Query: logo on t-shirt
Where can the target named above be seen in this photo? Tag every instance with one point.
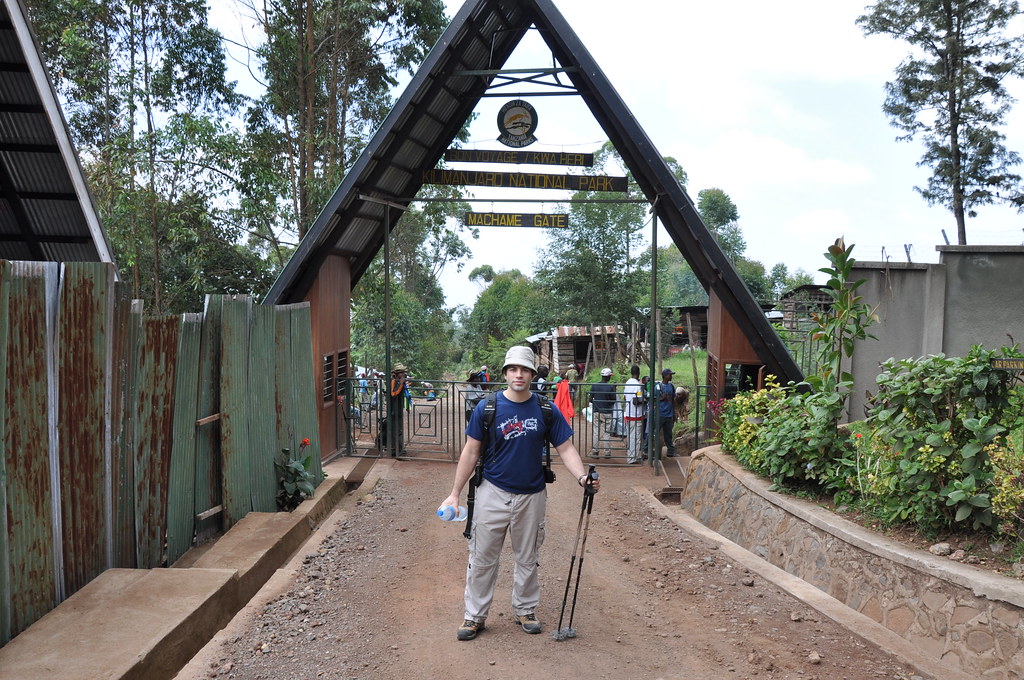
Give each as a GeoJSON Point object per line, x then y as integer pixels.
{"type": "Point", "coordinates": [513, 427]}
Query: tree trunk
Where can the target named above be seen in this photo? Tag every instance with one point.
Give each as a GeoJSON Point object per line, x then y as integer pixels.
{"type": "Point", "coordinates": [154, 225]}
{"type": "Point", "coordinates": [953, 66]}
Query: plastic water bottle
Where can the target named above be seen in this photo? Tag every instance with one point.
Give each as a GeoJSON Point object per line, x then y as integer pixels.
{"type": "Point", "coordinates": [450, 514]}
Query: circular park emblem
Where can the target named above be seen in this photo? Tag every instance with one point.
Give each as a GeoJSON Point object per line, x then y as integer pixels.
{"type": "Point", "coordinates": [517, 121]}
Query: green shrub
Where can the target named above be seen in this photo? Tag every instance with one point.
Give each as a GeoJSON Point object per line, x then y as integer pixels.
{"type": "Point", "coordinates": [938, 416]}
{"type": "Point", "coordinates": [294, 478]}
{"type": "Point", "coordinates": [785, 434]}
{"type": "Point", "coordinates": [938, 447]}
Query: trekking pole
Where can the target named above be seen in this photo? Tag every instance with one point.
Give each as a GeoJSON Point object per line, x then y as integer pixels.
{"type": "Point", "coordinates": [572, 563]}
{"type": "Point", "coordinates": [570, 631]}
{"type": "Point", "coordinates": [588, 504]}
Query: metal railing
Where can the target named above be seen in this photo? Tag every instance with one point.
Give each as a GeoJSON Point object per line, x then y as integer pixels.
{"type": "Point", "coordinates": [434, 418]}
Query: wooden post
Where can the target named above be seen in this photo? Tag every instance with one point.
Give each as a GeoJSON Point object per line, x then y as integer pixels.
{"type": "Point", "coordinates": [693, 355]}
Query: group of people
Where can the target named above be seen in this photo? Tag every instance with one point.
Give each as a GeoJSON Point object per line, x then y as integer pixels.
{"type": "Point", "coordinates": [635, 413]}
{"type": "Point", "coordinates": [606, 409]}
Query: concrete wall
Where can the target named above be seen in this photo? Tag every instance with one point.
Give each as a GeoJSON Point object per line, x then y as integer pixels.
{"type": "Point", "coordinates": [984, 297]}
{"type": "Point", "coordinates": [967, 618]}
{"type": "Point", "coordinates": [908, 299]}
{"type": "Point", "coordinates": [973, 296]}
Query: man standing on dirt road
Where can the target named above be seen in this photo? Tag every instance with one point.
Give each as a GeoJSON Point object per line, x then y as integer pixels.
{"type": "Point", "coordinates": [512, 496]}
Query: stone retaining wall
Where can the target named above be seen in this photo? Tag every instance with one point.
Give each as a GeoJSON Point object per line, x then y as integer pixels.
{"type": "Point", "coordinates": [969, 618]}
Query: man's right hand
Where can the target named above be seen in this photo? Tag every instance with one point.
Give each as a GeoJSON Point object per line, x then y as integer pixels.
{"type": "Point", "coordinates": [452, 501]}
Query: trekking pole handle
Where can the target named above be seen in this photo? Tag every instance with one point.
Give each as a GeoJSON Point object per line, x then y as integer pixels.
{"type": "Point", "coordinates": [588, 487]}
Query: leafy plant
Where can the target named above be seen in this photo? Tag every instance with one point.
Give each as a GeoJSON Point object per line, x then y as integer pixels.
{"type": "Point", "coordinates": [939, 447]}
{"type": "Point", "coordinates": [793, 435]}
{"type": "Point", "coordinates": [294, 478]}
{"type": "Point", "coordinates": [841, 325]}
{"type": "Point", "coordinates": [940, 419]}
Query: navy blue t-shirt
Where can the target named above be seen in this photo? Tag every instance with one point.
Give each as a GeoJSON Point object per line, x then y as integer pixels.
{"type": "Point", "coordinates": [515, 461]}
{"type": "Point", "coordinates": [666, 408]}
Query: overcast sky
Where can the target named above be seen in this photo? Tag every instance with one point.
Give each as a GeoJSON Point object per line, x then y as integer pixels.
{"type": "Point", "coordinates": [777, 104]}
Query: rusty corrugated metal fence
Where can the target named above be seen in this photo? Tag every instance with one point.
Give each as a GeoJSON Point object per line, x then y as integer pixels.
{"type": "Point", "coordinates": [125, 438]}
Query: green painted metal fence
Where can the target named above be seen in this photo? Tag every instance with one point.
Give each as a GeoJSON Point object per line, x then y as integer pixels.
{"type": "Point", "coordinates": [126, 438]}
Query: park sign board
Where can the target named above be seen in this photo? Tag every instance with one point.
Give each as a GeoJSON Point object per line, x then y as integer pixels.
{"type": "Point", "coordinates": [1008, 363]}
{"type": "Point", "coordinates": [479, 219]}
{"type": "Point", "coordinates": [525, 180]}
{"type": "Point", "coordinates": [583, 160]}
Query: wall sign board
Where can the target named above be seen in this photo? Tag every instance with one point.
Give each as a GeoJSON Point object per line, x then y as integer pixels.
{"type": "Point", "coordinates": [584, 160]}
{"type": "Point", "coordinates": [1008, 363]}
{"type": "Point", "coordinates": [478, 219]}
{"type": "Point", "coordinates": [525, 180]}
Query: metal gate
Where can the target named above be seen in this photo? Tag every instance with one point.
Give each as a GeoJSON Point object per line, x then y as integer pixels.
{"type": "Point", "coordinates": [434, 417]}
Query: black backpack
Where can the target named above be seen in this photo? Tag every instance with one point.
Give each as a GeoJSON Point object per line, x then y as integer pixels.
{"type": "Point", "coordinates": [490, 408]}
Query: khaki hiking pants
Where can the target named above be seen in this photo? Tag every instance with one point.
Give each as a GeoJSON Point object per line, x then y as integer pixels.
{"type": "Point", "coordinates": [496, 513]}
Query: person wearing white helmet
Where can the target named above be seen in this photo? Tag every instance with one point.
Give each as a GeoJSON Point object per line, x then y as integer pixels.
{"type": "Point", "coordinates": [512, 495]}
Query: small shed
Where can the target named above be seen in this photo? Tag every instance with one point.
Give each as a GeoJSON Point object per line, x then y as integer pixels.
{"type": "Point", "coordinates": [799, 303]}
{"type": "Point", "coordinates": [587, 345]}
{"type": "Point", "coordinates": [698, 324]}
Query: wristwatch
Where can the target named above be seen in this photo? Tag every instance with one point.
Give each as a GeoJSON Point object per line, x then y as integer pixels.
{"type": "Point", "coordinates": [579, 480]}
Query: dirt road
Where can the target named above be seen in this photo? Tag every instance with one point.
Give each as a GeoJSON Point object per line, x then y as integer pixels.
{"type": "Point", "coordinates": [378, 595]}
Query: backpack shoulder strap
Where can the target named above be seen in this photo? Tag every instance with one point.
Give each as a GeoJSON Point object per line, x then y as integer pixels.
{"type": "Point", "coordinates": [547, 410]}
{"type": "Point", "coordinates": [490, 407]}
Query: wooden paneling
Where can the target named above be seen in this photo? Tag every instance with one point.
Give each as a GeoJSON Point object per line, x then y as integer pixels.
{"type": "Point", "coordinates": [330, 301]}
{"type": "Point", "coordinates": [725, 338]}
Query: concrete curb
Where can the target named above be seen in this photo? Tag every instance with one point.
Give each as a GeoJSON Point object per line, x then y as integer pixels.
{"type": "Point", "coordinates": [857, 623]}
{"type": "Point", "coordinates": [147, 623]}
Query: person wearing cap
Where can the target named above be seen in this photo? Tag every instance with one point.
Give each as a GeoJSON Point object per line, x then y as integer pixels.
{"type": "Point", "coordinates": [572, 375]}
{"type": "Point", "coordinates": [512, 496]}
{"type": "Point", "coordinates": [399, 401]}
{"type": "Point", "coordinates": [665, 394]}
{"type": "Point", "coordinates": [602, 401]}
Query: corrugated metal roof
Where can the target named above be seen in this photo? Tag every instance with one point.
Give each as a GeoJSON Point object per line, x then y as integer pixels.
{"type": "Point", "coordinates": [432, 110]}
{"type": "Point", "coordinates": [580, 331]}
{"type": "Point", "coordinates": [46, 211]}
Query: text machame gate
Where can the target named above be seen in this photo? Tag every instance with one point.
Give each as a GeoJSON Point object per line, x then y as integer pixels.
{"type": "Point", "coordinates": [413, 147]}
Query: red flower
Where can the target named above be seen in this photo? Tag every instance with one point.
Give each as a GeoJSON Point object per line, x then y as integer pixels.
{"type": "Point", "coordinates": [858, 435]}
{"type": "Point", "coordinates": [304, 443]}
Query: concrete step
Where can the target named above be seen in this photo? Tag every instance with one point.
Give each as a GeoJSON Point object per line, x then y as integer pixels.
{"type": "Point", "coordinates": [147, 623]}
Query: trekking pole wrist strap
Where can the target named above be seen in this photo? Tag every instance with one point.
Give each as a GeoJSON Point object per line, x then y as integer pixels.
{"type": "Point", "coordinates": [580, 479]}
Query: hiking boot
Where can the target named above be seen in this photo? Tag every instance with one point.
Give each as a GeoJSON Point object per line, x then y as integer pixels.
{"type": "Point", "coordinates": [529, 622]}
{"type": "Point", "coordinates": [469, 629]}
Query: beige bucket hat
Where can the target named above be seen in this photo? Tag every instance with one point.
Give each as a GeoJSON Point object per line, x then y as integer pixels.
{"type": "Point", "coordinates": [519, 355]}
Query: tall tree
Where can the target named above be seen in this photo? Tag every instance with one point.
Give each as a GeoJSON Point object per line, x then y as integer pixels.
{"type": "Point", "coordinates": [595, 271]}
{"type": "Point", "coordinates": [329, 68]}
{"type": "Point", "coordinates": [423, 334]}
{"type": "Point", "coordinates": [721, 216]}
{"type": "Point", "coordinates": [145, 87]}
{"type": "Point", "coordinates": [781, 281]}
{"type": "Point", "coordinates": [952, 92]}
{"type": "Point", "coordinates": [509, 309]}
